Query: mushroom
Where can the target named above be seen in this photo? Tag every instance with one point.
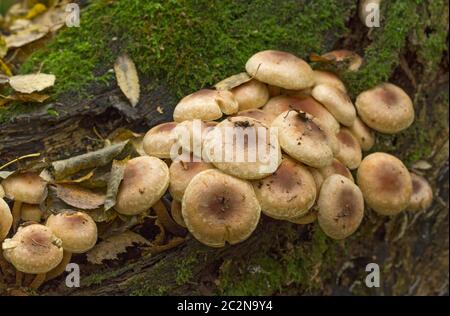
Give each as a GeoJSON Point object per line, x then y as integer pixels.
{"type": "Point", "coordinates": [2, 192]}
{"type": "Point", "coordinates": [350, 151]}
{"type": "Point", "coordinates": [191, 135]}
{"type": "Point", "coordinates": [336, 167]}
{"type": "Point", "coordinates": [31, 213]}
{"type": "Point", "coordinates": [145, 180]}
{"type": "Point", "coordinates": [160, 139]}
{"type": "Point", "coordinates": [328, 78]}
{"type": "Point", "coordinates": [206, 105]}
{"type": "Point", "coordinates": [342, 55]}
{"type": "Point", "coordinates": [303, 137]}
{"type": "Point", "coordinates": [340, 207]}
{"type": "Point", "coordinates": [273, 90]}
{"type": "Point", "coordinates": [280, 69]}
{"type": "Point", "coordinates": [385, 183]}
{"type": "Point", "coordinates": [218, 208]}
{"type": "Point", "coordinates": [78, 233]}
{"type": "Point", "coordinates": [365, 136]}
{"type": "Point", "coordinates": [422, 194]}
{"type": "Point", "coordinates": [337, 102]}
{"type": "Point", "coordinates": [175, 211]}
{"type": "Point", "coordinates": [309, 218]}
{"type": "Point", "coordinates": [385, 108]}
{"type": "Point", "coordinates": [282, 103]}
{"type": "Point", "coordinates": [301, 94]}
{"type": "Point", "coordinates": [288, 193]}
{"type": "Point", "coordinates": [243, 147]}
{"type": "Point", "coordinates": [181, 173]}
{"type": "Point", "coordinates": [251, 95]}
{"type": "Point", "coordinates": [26, 187]}
{"type": "Point", "coordinates": [33, 249]}
{"type": "Point", "coordinates": [258, 114]}
{"type": "Point", "coordinates": [5, 219]}
{"type": "Point", "coordinates": [318, 178]}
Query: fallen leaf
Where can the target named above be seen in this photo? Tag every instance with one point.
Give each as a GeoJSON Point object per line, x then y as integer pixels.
{"type": "Point", "coordinates": [111, 247]}
{"type": "Point", "coordinates": [79, 197]}
{"type": "Point", "coordinates": [115, 178]}
{"type": "Point", "coordinates": [32, 97]}
{"type": "Point", "coordinates": [36, 10]}
{"type": "Point", "coordinates": [100, 215]}
{"type": "Point", "coordinates": [4, 68]}
{"type": "Point", "coordinates": [174, 242]}
{"type": "Point", "coordinates": [83, 178]}
{"type": "Point", "coordinates": [166, 220]}
{"type": "Point", "coordinates": [127, 78]}
{"type": "Point", "coordinates": [31, 83]}
{"type": "Point", "coordinates": [3, 47]}
{"type": "Point", "coordinates": [233, 81]}
{"type": "Point", "coordinates": [26, 36]}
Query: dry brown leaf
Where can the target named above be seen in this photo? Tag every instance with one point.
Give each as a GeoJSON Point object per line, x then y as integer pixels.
{"type": "Point", "coordinates": [127, 78]}
{"type": "Point", "coordinates": [31, 83]}
{"type": "Point", "coordinates": [3, 47]}
{"type": "Point", "coordinates": [79, 197]}
{"type": "Point", "coordinates": [233, 81]}
{"type": "Point", "coordinates": [174, 242]}
{"type": "Point", "coordinates": [111, 247]}
{"type": "Point", "coordinates": [166, 220]}
{"type": "Point", "coordinates": [30, 34]}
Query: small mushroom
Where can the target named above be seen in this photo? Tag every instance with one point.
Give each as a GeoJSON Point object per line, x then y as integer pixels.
{"type": "Point", "coordinates": [422, 194]}
{"type": "Point", "coordinates": [350, 151]}
{"type": "Point", "coordinates": [385, 183]}
{"type": "Point", "coordinates": [328, 78]}
{"type": "Point", "coordinates": [258, 114]}
{"type": "Point", "coordinates": [191, 135]}
{"type": "Point", "coordinates": [288, 193]}
{"type": "Point", "coordinates": [160, 139]}
{"type": "Point", "coordinates": [175, 211]}
{"type": "Point", "coordinates": [337, 102]}
{"type": "Point", "coordinates": [309, 218]}
{"type": "Point", "coordinates": [251, 95]}
{"type": "Point", "coordinates": [243, 147]}
{"type": "Point", "coordinates": [218, 208]}
{"type": "Point", "coordinates": [31, 213]}
{"type": "Point", "coordinates": [336, 167]}
{"type": "Point", "coordinates": [302, 137]}
{"type": "Point", "coordinates": [280, 69]}
{"type": "Point", "coordinates": [365, 136]}
{"type": "Point", "coordinates": [340, 207]}
{"type": "Point", "coordinates": [145, 180]}
{"type": "Point", "coordinates": [353, 60]}
{"type": "Point", "coordinates": [5, 219]}
{"type": "Point", "coordinates": [385, 108]}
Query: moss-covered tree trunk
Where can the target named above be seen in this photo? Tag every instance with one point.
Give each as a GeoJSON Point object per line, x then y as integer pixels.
{"type": "Point", "coordinates": [180, 47]}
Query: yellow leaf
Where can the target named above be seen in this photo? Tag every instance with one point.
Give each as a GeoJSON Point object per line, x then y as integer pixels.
{"type": "Point", "coordinates": [127, 78]}
{"type": "Point", "coordinates": [31, 83]}
{"type": "Point", "coordinates": [3, 47]}
{"type": "Point", "coordinates": [36, 10]}
{"type": "Point", "coordinates": [4, 68]}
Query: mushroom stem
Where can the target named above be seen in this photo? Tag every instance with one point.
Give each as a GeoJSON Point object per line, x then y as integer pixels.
{"type": "Point", "coordinates": [60, 268]}
{"type": "Point", "coordinates": [16, 212]}
{"type": "Point", "coordinates": [19, 278]}
{"type": "Point", "coordinates": [3, 264]}
{"type": "Point", "coordinates": [38, 281]}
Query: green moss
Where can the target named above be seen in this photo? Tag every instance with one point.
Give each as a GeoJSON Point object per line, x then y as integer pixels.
{"type": "Point", "coordinates": [184, 269]}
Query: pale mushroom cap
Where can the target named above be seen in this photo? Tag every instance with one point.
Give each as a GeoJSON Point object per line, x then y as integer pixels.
{"type": "Point", "coordinates": [251, 95]}
{"type": "Point", "coordinates": [219, 208]}
{"type": "Point", "coordinates": [31, 213]}
{"type": "Point", "coordinates": [25, 187]}
{"type": "Point", "coordinates": [33, 249]}
{"type": "Point", "coordinates": [243, 147]}
{"type": "Point", "coordinates": [302, 137]}
{"type": "Point", "coordinates": [385, 108]}
{"type": "Point", "coordinates": [365, 136]}
{"type": "Point", "coordinates": [350, 150]}
{"type": "Point", "coordinates": [145, 181]}
{"type": "Point", "coordinates": [282, 103]}
{"type": "Point", "coordinates": [175, 211]}
{"type": "Point", "coordinates": [308, 218]}
{"type": "Point", "coordinates": [5, 219]}
{"type": "Point", "coordinates": [258, 114]}
{"type": "Point", "coordinates": [2, 192]}
{"type": "Point", "coordinates": [354, 60]}
{"type": "Point", "coordinates": [200, 105]}
{"type": "Point", "coordinates": [280, 69]}
{"type": "Point", "coordinates": [191, 134]}
{"type": "Point", "coordinates": [181, 173]}
{"type": "Point", "coordinates": [227, 102]}
{"type": "Point", "coordinates": [385, 183]}
{"type": "Point", "coordinates": [422, 195]}
{"type": "Point", "coordinates": [328, 78]}
{"type": "Point", "coordinates": [288, 193]}
{"type": "Point", "coordinates": [336, 167]}
{"type": "Point", "coordinates": [77, 230]}
{"type": "Point", "coordinates": [337, 102]}
{"type": "Point", "coordinates": [341, 207]}
{"type": "Point", "coordinates": [318, 178]}
{"type": "Point", "coordinates": [160, 139]}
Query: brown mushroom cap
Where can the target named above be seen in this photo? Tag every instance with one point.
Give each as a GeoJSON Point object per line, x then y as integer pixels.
{"type": "Point", "coordinates": [385, 108]}
{"type": "Point", "coordinates": [191, 135]}
{"type": "Point", "coordinates": [337, 102]}
{"type": "Point", "coordinates": [350, 151]}
{"type": "Point", "coordinates": [303, 138]}
{"type": "Point", "coordinates": [25, 187]}
{"type": "Point", "coordinates": [341, 207]}
{"type": "Point", "coordinates": [258, 114]}
{"type": "Point", "coordinates": [251, 95]}
{"type": "Point", "coordinates": [160, 139]}
{"type": "Point", "coordinates": [273, 90]}
{"type": "Point", "coordinates": [301, 94]}
{"type": "Point", "coordinates": [365, 136]}
{"type": "Point", "coordinates": [145, 180]}
{"type": "Point", "coordinates": [2, 192]}
{"type": "Point", "coordinates": [33, 249]}
{"type": "Point", "coordinates": [288, 193]}
{"type": "Point", "coordinates": [177, 215]}
{"type": "Point", "coordinates": [219, 208]}
{"type": "Point", "coordinates": [328, 78]}
{"type": "Point", "coordinates": [283, 103]}
{"type": "Point", "coordinates": [336, 167]}
{"type": "Point", "coordinates": [318, 178]}
{"type": "Point", "coordinates": [280, 69]}
{"type": "Point", "coordinates": [309, 218]}
{"type": "Point", "coordinates": [5, 219]}
{"type": "Point", "coordinates": [31, 213]}
{"type": "Point", "coordinates": [342, 55]}
{"type": "Point", "coordinates": [77, 230]}
{"type": "Point", "coordinates": [243, 147]}
{"type": "Point", "coordinates": [181, 173]}
{"type": "Point", "coordinates": [385, 183]}
{"type": "Point", "coordinates": [422, 195]}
